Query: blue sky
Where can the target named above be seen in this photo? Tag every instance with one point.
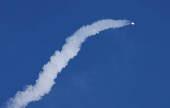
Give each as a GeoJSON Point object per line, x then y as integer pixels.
{"type": "Point", "coordinates": [118, 68]}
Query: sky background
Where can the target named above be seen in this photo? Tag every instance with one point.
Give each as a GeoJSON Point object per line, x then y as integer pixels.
{"type": "Point", "coordinates": [118, 68]}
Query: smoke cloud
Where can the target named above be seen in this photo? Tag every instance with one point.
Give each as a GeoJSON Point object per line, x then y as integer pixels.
{"type": "Point", "coordinates": [58, 61]}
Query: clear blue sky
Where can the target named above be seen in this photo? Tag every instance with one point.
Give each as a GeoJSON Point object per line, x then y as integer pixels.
{"type": "Point", "coordinates": [118, 68]}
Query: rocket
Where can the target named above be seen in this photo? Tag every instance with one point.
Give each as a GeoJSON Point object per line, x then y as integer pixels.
{"type": "Point", "coordinates": [132, 23]}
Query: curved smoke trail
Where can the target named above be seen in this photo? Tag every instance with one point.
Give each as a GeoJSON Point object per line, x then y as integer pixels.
{"type": "Point", "coordinates": [58, 61]}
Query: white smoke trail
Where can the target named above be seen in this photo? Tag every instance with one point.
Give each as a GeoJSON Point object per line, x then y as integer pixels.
{"type": "Point", "coordinates": [58, 61]}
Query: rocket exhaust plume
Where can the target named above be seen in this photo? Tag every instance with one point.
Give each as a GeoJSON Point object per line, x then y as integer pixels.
{"type": "Point", "coordinates": [58, 61]}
